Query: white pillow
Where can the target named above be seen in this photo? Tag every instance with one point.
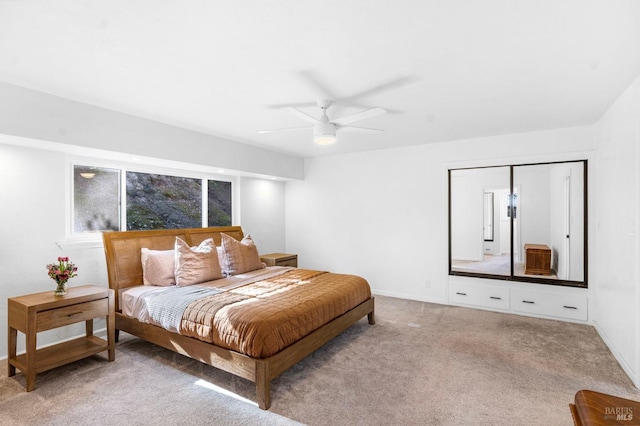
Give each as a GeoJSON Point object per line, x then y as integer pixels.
{"type": "Point", "coordinates": [195, 265]}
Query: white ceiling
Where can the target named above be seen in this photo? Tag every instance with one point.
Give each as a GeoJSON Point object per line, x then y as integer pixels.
{"type": "Point", "coordinates": [444, 69]}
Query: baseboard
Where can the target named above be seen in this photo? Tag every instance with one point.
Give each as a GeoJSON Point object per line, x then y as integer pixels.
{"type": "Point", "coordinates": [438, 301]}
{"type": "Point", "coordinates": [616, 354]}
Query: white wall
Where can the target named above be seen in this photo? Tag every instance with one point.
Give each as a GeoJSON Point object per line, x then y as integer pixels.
{"type": "Point", "coordinates": [382, 214]}
{"type": "Point", "coordinates": [262, 211]}
{"type": "Point", "coordinates": [617, 215]}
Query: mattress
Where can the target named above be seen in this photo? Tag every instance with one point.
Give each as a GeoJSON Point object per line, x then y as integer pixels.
{"type": "Point", "coordinates": [257, 314]}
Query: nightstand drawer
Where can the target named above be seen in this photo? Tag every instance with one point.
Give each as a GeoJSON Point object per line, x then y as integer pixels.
{"type": "Point", "coordinates": [280, 259]}
{"type": "Point", "coordinates": [71, 314]}
{"type": "Point", "coordinates": [289, 262]}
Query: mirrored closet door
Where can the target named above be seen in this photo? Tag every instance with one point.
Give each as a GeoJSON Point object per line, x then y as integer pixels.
{"type": "Point", "coordinates": [520, 222]}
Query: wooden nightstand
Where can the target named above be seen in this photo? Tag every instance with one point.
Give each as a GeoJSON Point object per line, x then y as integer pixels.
{"type": "Point", "coordinates": [37, 312]}
{"type": "Point", "coordinates": [280, 259]}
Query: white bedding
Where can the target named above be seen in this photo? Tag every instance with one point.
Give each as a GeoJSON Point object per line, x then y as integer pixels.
{"type": "Point", "coordinates": [134, 299]}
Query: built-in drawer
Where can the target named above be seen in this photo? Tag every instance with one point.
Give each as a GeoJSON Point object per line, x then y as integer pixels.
{"type": "Point", "coordinates": [54, 318]}
{"type": "Point", "coordinates": [479, 295]}
{"type": "Point", "coordinates": [560, 305]}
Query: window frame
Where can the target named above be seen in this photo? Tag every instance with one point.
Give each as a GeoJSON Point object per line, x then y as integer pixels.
{"type": "Point", "coordinates": [204, 174]}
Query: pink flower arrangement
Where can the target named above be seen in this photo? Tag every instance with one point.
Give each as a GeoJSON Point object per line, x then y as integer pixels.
{"type": "Point", "coordinates": [63, 270]}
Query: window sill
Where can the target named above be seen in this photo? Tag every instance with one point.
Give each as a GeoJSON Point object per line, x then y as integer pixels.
{"type": "Point", "coordinates": [79, 244]}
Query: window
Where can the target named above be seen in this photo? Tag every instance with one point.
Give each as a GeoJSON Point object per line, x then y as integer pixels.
{"type": "Point", "coordinates": [219, 196]}
{"type": "Point", "coordinates": [117, 199]}
{"type": "Point", "coordinates": [163, 202]}
{"type": "Point", "coordinates": [96, 199]}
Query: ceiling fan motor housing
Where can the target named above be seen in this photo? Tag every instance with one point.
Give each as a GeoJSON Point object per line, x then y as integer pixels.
{"type": "Point", "coordinates": [324, 133]}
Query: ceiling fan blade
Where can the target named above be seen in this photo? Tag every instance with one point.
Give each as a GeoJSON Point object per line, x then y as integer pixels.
{"type": "Point", "coordinates": [381, 88]}
{"type": "Point", "coordinates": [313, 80]}
{"type": "Point", "coordinates": [373, 112]}
{"type": "Point", "coordinates": [303, 115]}
{"type": "Point", "coordinates": [293, 104]}
{"type": "Point", "coordinates": [353, 129]}
{"type": "Point", "coordinates": [284, 130]}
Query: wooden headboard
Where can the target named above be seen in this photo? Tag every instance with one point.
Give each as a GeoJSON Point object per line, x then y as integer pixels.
{"type": "Point", "coordinates": [122, 250]}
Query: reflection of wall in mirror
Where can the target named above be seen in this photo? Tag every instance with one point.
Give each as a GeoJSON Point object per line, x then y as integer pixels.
{"type": "Point", "coordinates": [467, 213]}
{"type": "Point", "coordinates": [505, 221]}
{"type": "Point", "coordinates": [566, 221]}
{"type": "Point", "coordinates": [534, 202]}
{"type": "Point", "coordinates": [487, 221]}
{"type": "Point", "coordinates": [493, 247]}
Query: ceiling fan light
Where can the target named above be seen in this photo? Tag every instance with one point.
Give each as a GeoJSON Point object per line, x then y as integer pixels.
{"type": "Point", "coordinates": [324, 133]}
{"type": "Point", "coordinates": [324, 139]}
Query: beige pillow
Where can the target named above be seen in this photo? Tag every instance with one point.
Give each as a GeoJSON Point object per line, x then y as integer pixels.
{"type": "Point", "coordinates": [222, 258]}
{"type": "Point", "coordinates": [158, 267]}
{"type": "Point", "coordinates": [241, 256]}
{"type": "Point", "coordinates": [196, 264]}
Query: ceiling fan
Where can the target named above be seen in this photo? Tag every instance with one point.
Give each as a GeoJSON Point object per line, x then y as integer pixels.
{"type": "Point", "coordinates": [324, 130]}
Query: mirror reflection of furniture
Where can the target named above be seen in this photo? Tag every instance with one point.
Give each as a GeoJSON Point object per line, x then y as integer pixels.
{"type": "Point", "coordinates": [537, 259]}
{"type": "Point", "coordinates": [543, 203]}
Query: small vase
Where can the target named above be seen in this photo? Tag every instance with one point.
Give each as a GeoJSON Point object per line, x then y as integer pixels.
{"type": "Point", "coordinates": [61, 289]}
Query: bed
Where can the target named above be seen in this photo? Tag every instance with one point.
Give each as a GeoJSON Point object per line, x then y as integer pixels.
{"type": "Point", "coordinates": [288, 312]}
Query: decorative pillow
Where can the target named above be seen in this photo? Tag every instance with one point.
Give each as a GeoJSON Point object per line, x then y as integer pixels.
{"type": "Point", "coordinates": [196, 264]}
{"type": "Point", "coordinates": [222, 258]}
{"type": "Point", "coordinates": [241, 256]}
{"type": "Point", "coordinates": [158, 267]}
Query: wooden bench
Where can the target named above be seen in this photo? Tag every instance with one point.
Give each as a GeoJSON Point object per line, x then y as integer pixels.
{"type": "Point", "coordinates": [592, 408]}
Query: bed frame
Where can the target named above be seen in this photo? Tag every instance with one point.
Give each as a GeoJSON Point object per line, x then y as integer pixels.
{"type": "Point", "coordinates": [124, 268]}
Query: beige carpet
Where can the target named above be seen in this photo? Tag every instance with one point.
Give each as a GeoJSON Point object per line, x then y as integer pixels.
{"type": "Point", "coordinates": [420, 364]}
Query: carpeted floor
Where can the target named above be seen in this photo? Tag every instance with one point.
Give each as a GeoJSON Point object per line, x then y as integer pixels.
{"type": "Point", "coordinates": [420, 364]}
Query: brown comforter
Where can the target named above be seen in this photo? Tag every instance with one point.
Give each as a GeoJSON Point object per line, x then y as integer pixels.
{"type": "Point", "coordinates": [264, 317]}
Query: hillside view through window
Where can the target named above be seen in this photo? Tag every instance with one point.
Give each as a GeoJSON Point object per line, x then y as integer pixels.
{"type": "Point", "coordinates": [153, 201]}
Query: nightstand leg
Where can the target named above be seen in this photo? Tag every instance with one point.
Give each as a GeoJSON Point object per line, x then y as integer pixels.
{"type": "Point", "coordinates": [31, 357]}
{"type": "Point", "coordinates": [89, 327]}
{"type": "Point", "coordinates": [112, 334]}
{"type": "Point", "coordinates": [13, 341]}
